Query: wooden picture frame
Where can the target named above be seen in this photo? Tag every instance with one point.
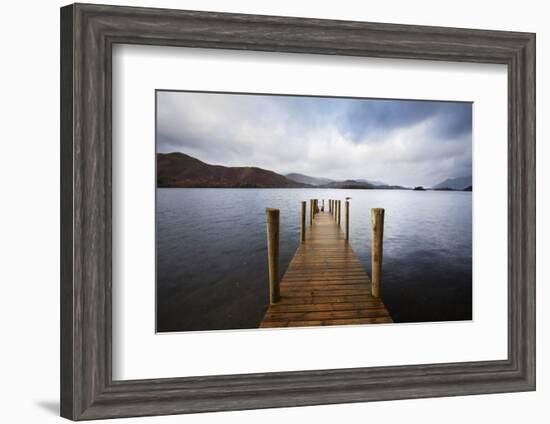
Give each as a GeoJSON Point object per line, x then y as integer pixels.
{"type": "Point", "coordinates": [88, 33]}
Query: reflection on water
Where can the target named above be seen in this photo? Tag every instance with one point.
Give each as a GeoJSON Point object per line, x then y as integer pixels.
{"type": "Point", "coordinates": [212, 260]}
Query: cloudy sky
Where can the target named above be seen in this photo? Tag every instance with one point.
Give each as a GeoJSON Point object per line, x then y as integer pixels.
{"type": "Point", "coordinates": [395, 141]}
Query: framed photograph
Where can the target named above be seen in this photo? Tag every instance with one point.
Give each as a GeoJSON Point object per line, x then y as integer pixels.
{"type": "Point", "coordinates": [325, 282]}
{"type": "Point", "coordinates": [263, 211]}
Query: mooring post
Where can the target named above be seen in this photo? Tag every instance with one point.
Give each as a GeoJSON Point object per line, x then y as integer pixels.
{"type": "Point", "coordinates": [339, 211]}
{"type": "Point", "coordinates": [310, 211]}
{"type": "Point", "coordinates": [377, 218]}
{"type": "Point", "coordinates": [330, 205]}
{"type": "Point", "coordinates": [303, 222]}
{"type": "Point", "coordinates": [323, 205]}
{"type": "Point", "coordinates": [334, 209]}
{"type": "Point", "coordinates": [347, 220]}
{"type": "Point", "coordinates": [272, 221]}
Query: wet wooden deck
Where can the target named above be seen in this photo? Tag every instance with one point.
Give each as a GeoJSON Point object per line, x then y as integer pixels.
{"type": "Point", "coordinates": [325, 284]}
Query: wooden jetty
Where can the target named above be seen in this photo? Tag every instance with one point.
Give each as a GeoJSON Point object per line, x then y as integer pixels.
{"type": "Point", "coordinates": [325, 283]}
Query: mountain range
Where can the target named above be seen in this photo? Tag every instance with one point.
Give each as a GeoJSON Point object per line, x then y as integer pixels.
{"type": "Point", "coordinates": [306, 179]}
{"type": "Point", "coordinates": [323, 182]}
{"type": "Point", "coordinates": [460, 183]}
{"type": "Point", "coordinates": [181, 170]}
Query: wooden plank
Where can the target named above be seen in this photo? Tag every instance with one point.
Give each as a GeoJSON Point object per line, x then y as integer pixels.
{"type": "Point", "coordinates": [325, 284]}
{"type": "Point", "coordinates": [326, 315]}
{"type": "Point", "coordinates": [358, 321]}
{"type": "Point", "coordinates": [328, 292]}
{"type": "Point", "coordinates": [322, 299]}
{"type": "Point", "coordinates": [321, 285]}
{"type": "Point", "coordinates": [342, 306]}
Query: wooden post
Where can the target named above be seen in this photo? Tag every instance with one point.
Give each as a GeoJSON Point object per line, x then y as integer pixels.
{"type": "Point", "coordinates": [272, 221]}
{"type": "Point", "coordinates": [339, 211]}
{"type": "Point", "coordinates": [323, 205]}
{"type": "Point", "coordinates": [347, 220]}
{"type": "Point", "coordinates": [303, 223]}
{"type": "Point", "coordinates": [377, 218]}
{"type": "Point", "coordinates": [310, 211]}
{"type": "Point", "coordinates": [330, 205]}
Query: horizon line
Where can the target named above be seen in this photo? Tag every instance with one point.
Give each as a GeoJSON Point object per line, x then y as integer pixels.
{"type": "Point", "coordinates": [311, 176]}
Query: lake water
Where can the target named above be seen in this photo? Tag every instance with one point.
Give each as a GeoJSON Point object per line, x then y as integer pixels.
{"type": "Point", "coordinates": [212, 256]}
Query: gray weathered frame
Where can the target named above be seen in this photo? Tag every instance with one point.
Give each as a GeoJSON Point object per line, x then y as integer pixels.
{"type": "Point", "coordinates": [88, 33]}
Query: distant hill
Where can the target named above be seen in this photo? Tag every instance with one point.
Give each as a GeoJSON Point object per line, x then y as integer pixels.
{"type": "Point", "coordinates": [306, 179]}
{"type": "Point", "coordinates": [459, 183]}
{"type": "Point", "coordinates": [361, 184]}
{"type": "Point", "coordinates": [328, 183]}
{"type": "Point", "coordinates": [181, 170]}
{"type": "Point", "coordinates": [390, 187]}
{"type": "Point", "coordinates": [372, 182]}
{"type": "Point", "coordinates": [348, 184]}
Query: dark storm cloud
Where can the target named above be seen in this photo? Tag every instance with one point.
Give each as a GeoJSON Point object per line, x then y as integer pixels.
{"type": "Point", "coordinates": [376, 117]}
{"type": "Point", "coordinates": [397, 141]}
